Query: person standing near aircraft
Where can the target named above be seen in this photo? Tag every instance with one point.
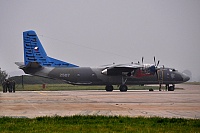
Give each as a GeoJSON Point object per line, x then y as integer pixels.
{"type": "Point", "coordinates": [9, 85]}
{"type": "Point", "coordinates": [4, 85]}
{"type": "Point", "coordinates": [13, 86]}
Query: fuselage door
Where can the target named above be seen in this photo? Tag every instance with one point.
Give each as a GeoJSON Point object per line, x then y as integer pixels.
{"type": "Point", "coordinates": [160, 76]}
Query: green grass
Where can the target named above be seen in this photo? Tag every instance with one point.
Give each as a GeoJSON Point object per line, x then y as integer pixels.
{"type": "Point", "coordinates": [60, 87]}
{"type": "Point", "coordinates": [99, 124]}
{"type": "Point", "coordinates": [192, 83]}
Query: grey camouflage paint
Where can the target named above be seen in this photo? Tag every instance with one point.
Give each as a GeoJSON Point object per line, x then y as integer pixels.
{"type": "Point", "coordinates": [93, 76]}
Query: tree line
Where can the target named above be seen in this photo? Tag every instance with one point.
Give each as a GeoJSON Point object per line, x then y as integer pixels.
{"type": "Point", "coordinates": [3, 75]}
{"type": "Point", "coordinates": [27, 79]}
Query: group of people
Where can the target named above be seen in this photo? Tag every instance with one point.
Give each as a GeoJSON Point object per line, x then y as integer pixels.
{"type": "Point", "coordinates": [8, 85]}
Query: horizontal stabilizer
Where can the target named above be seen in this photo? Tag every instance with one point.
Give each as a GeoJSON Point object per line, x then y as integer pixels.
{"type": "Point", "coordinates": [19, 63]}
{"type": "Point", "coordinates": [33, 65]}
{"type": "Point", "coordinates": [29, 65]}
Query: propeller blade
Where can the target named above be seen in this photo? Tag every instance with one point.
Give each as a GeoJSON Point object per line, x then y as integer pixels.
{"type": "Point", "coordinates": [156, 74]}
{"type": "Point", "coordinates": [158, 63]}
{"type": "Point", "coordinates": [142, 59]}
{"type": "Point", "coordinates": [154, 60]}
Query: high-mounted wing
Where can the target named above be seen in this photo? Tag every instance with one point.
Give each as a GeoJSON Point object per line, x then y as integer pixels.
{"type": "Point", "coordinates": [134, 69]}
{"type": "Point", "coordinates": [121, 69]}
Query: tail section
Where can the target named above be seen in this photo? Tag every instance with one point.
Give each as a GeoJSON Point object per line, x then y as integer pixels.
{"type": "Point", "coordinates": [34, 52]}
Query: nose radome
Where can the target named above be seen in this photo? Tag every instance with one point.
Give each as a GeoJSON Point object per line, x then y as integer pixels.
{"type": "Point", "coordinates": [185, 77]}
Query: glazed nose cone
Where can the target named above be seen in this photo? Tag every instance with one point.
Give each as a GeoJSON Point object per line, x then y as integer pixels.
{"type": "Point", "coordinates": [185, 77]}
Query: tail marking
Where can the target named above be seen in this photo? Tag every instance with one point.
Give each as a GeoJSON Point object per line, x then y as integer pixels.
{"type": "Point", "coordinates": [34, 52]}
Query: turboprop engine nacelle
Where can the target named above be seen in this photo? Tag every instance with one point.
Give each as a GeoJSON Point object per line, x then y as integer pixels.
{"type": "Point", "coordinates": [149, 68]}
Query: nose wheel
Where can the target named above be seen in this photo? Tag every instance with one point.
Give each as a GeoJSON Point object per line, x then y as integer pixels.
{"type": "Point", "coordinates": [167, 87]}
{"type": "Point", "coordinates": [171, 88]}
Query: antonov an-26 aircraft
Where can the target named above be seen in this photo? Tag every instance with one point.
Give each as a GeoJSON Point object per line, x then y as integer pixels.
{"type": "Point", "coordinates": [38, 63]}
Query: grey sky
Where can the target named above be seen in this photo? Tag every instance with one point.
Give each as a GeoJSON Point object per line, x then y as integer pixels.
{"type": "Point", "coordinates": [99, 32]}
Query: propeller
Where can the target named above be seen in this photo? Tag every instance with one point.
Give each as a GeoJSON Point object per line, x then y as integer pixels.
{"type": "Point", "coordinates": [154, 59]}
{"type": "Point", "coordinates": [142, 60]}
{"type": "Point", "coordinates": [154, 68]}
{"type": "Point", "coordinates": [156, 65]}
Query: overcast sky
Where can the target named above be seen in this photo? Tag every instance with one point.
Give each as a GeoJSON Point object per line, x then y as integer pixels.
{"type": "Point", "coordinates": [98, 32]}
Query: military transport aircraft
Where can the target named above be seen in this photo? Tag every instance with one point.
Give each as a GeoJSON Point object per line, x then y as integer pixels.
{"type": "Point", "coordinates": [38, 63]}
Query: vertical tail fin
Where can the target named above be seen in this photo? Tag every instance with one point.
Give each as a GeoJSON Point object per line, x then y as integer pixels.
{"type": "Point", "coordinates": [34, 52]}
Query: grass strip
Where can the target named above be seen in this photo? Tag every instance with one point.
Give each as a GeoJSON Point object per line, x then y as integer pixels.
{"type": "Point", "coordinates": [99, 124]}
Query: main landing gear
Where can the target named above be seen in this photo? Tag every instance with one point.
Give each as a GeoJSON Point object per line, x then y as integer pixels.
{"type": "Point", "coordinates": [122, 88]}
{"type": "Point", "coordinates": [109, 88]}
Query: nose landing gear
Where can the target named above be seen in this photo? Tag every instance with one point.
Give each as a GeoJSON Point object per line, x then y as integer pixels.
{"type": "Point", "coordinates": [167, 87]}
{"type": "Point", "coordinates": [171, 88]}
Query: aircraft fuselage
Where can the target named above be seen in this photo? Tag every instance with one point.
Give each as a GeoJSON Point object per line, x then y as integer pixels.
{"type": "Point", "coordinates": [94, 76]}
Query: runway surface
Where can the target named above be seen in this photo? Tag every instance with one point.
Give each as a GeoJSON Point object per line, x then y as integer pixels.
{"type": "Point", "coordinates": [180, 103]}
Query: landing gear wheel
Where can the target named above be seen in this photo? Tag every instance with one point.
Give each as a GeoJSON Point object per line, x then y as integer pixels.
{"type": "Point", "coordinates": [109, 88]}
{"type": "Point", "coordinates": [123, 88]}
{"type": "Point", "coordinates": [4, 90]}
{"type": "Point", "coordinates": [171, 88]}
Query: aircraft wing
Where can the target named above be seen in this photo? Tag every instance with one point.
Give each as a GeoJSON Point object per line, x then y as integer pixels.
{"type": "Point", "coordinates": [133, 66]}
{"type": "Point", "coordinates": [121, 69]}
